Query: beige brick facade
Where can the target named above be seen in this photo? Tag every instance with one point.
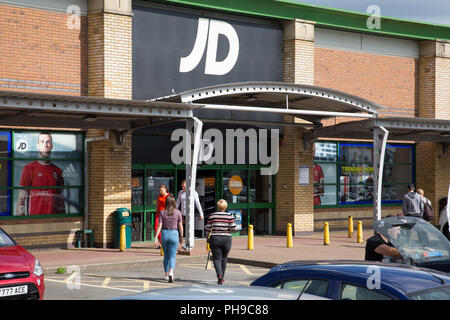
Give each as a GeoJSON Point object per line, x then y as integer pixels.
{"type": "Point", "coordinates": [110, 65]}
{"type": "Point", "coordinates": [295, 202]}
{"type": "Point", "coordinates": [433, 165]}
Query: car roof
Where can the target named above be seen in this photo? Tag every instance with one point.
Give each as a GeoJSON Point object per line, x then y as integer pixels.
{"type": "Point", "coordinates": [396, 275]}
{"type": "Point", "coordinates": [209, 292]}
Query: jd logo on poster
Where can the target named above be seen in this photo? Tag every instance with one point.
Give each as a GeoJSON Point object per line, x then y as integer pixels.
{"type": "Point", "coordinates": [207, 38]}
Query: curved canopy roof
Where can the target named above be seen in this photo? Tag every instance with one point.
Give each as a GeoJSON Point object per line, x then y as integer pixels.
{"type": "Point", "coordinates": [311, 103]}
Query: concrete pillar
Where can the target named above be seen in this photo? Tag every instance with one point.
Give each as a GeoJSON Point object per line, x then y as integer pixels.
{"type": "Point", "coordinates": [109, 76]}
{"type": "Point", "coordinates": [294, 202]}
{"type": "Point", "coordinates": [433, 163]}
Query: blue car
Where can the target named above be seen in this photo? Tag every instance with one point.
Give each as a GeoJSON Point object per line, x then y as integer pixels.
{"type": "Point", "coordinates": [358, 280]}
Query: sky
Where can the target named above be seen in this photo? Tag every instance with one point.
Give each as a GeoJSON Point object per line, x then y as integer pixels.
{"type": "Point", "coordinates": [430, 11]}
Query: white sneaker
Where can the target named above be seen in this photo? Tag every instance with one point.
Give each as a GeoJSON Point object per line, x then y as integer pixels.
{"type": "Point", "coordinates": [166, 278]}
{"type": "Point", "coordinates": [170, 278]}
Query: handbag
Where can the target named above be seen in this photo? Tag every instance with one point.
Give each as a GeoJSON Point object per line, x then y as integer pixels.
{"type": "Point", "coordinates": [428, 212]}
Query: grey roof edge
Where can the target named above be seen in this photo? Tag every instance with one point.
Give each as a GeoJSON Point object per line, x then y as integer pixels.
{"type": "Point", "coordinates": [92, 100]}
{"type": "Point", "coordinates": [191, 96]}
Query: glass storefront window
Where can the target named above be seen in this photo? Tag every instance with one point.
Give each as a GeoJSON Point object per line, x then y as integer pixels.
{"type": "Point", "coordinates": [235, 186]}
{"type": "Point", "coordinates": [65, 145]}
{"type": "Point", "coordinates": [137, 188]}
{"type": "Point", "coordinates": [154, 179]}
{"type": "Point", "coordinates": [349, 178]}
{"type": "Point", "coordinates": [260, 187]}
{"type": "Point", "coordinates": [261, 220]}
{"type": "Point", "coordinates": [36, 201]}
{"type": "Point", "coordinates": [48, 173]}
{"type": "Point", "coordinates": [5, 144]}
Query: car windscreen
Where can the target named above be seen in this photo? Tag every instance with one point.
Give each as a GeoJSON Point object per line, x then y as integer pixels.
{"type": "Point", "coordinates": [415, 238]}
{"type": "Point", "coordinates": [440, 293]}
{"type": "Point", "coordinates": [5, 241]}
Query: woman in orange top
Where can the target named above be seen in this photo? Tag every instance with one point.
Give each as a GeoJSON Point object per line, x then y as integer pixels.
{"type": "Point", "coordinates": [161, 205]}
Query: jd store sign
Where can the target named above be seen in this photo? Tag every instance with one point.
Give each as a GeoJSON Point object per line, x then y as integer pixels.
{"type": "Point", "coordinates": [176, 51]}
{"type": "Point", "coordinates": [207, 40]}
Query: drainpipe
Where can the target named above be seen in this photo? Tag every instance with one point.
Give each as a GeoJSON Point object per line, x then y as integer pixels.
{"type": "Point", "coordinates": [86, 178]}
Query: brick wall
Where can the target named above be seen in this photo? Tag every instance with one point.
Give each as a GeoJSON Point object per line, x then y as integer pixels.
{"type": "Point", "coordinates": [39, 53]}
{"type": "Point", "coordinates": [433, 165]}
{"type": "Point", "coordinates": [294, 202]}
{"type": "Point", "coordinates": [386, 80]}
{"type": "Point", "coordinates": [110, 64]}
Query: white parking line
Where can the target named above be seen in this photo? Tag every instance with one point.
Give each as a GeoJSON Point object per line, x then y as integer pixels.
{"type": "Point", "coordinates": [244, 268]}
{"type": "Point", "coordinates": [106, 281]}
{"type": "Point", "coordinates": [94, 286]}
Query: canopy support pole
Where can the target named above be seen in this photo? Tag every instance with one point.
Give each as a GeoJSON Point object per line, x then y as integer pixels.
{"type": "Point", "coordinates": [380, 135]}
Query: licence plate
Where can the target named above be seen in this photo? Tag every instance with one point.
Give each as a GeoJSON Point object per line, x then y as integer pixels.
{"type": "Point", "coordinates": [13, 291]}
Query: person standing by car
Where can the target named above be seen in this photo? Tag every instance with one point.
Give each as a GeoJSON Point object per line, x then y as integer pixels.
{"type": "Point", "coordinates": [219, 226]}
{"type": "Point", "coordinates": [171, 228]}
{"type": "Point", "coordinates": [378, 246]}
{"type": "Point", "coordinates": [412, 203]}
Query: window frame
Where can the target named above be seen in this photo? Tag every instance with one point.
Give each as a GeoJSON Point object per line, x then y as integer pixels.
{"type": "Point", "coordinates": [337, 183]}
{"type": "Point", "coordinates": [13, 189]}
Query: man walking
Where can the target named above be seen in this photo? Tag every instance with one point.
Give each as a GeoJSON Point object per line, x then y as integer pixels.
{"type": "Point", "coordinates": [412, 203]}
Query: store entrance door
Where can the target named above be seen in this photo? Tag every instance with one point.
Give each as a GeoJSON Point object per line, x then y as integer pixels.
{"type": "Point", "coordinates": [206, 186]}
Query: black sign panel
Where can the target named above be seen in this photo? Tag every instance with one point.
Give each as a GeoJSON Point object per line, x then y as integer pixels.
{"type": "Point", "coordinates": [175, 51]}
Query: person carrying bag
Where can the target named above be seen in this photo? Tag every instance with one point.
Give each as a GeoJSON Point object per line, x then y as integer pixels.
{"type": "Point", "coordinates": [219, 227]}
{"type": "Point", "coordinates": [171, 228]}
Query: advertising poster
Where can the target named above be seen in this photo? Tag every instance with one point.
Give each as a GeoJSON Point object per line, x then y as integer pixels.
{"type": "Point", "coordinates": [51, 166]}
{"type": "Point", "coordinates": [237, 217]}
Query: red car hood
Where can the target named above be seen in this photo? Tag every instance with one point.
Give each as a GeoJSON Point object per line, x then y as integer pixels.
{"type": "Point", "coordinates": [14, 259]}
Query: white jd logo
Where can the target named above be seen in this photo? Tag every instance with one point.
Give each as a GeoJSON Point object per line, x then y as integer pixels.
{"type": "Point", "coordinates": [212, 66]}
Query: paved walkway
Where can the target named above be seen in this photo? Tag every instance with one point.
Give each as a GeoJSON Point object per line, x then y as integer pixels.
{"type": "Point", "coordinates": [268, 251]}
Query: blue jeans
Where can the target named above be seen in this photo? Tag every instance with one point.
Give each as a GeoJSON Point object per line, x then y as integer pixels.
{"type": "Point", "coordinates": [169, 243]}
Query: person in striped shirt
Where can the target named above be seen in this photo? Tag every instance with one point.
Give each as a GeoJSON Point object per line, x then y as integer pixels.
{"type": "Point", "coordinates": [219, 227]}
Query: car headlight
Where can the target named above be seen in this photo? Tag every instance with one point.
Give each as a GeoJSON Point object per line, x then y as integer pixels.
{"type": "Point", "coordinates": [38, 268]}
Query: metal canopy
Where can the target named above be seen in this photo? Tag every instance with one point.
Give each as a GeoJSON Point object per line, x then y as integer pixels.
{"type": "Point", "coordinates": [401, 129]}
{"type": "Point", "coordinates": [310, 103]}
{"type": "Point", "coordinates": [60, 111]}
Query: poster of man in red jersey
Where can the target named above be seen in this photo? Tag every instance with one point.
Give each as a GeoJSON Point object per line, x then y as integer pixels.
{"type": "Point", "coordinates": [45, 174]}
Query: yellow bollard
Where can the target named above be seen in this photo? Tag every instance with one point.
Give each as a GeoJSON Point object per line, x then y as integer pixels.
{"type": "Point", "coordinates": [250, 237]}
{"type": "Point", "coordinates": [359, 237]}
{"type": "Point", "coordinates": [350, 226]}
{"type": "Point", "coordinates": [290, 243]}
{"type": "Point", "coordinates": [326, 234]}
{"type": "Point", "coordinates": [161, 253]}
{"type": "Point", "coordinates": [122, 243]}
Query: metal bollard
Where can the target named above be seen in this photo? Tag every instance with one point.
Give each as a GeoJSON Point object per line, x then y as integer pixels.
{"type": "Point", "coordinates": [350, 226]}
{"type": "Point", "coordinates": [359, 237]}
{"type": "Point", "coordinates": [122, 243]}
{"type": "Point", "coordinates": [326, 234]}
{"type": "Point", "coordinates": [250, 237]}
{"type": "Point", "coordinates": [289, 243]}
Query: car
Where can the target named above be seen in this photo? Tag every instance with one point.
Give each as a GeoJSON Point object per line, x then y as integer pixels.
{"type": "Point", "coordinates": [419, 242]}
{"type": "Point", "coordinates": [21, 275]}
{"type": "Point", "coordinates": [210, 292]}
{"type": "Point", "coordinates": [358, 280]}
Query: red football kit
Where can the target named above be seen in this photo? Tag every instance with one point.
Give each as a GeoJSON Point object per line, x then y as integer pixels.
{"type": "Point", "coordinates": [43, 201]}
{"type": "Point", "coordinates": [318, 178]}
